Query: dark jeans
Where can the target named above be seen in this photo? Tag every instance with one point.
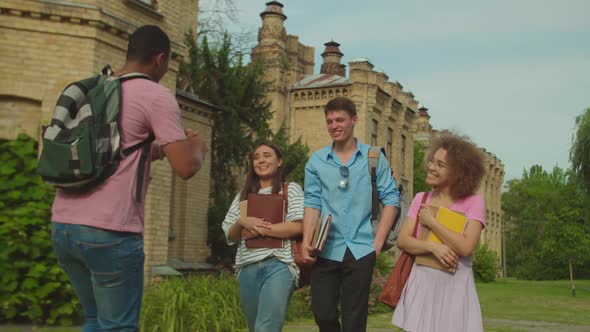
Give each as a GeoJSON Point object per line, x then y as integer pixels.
{"type": "Point", "coordinates": [106, 271]}
{"type": "Point", "coordinates": [347, 283]}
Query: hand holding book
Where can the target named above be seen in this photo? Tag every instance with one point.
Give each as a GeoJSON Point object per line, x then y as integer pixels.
{"type": "Point", "coordinates": [451, 220]}
{"type": "Point", "coordinates": [320, 234]}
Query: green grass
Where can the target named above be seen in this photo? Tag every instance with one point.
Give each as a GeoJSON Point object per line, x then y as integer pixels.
{"type": "Point", "coordinates": [507, 299]}
{"type": "Point", "coordinates": [519, 300]}
{"type": "Point", "coordinates": [548, 301]}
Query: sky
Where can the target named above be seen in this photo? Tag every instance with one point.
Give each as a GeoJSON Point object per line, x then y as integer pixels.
{"type": "Point", "coordinates": [510, 74]}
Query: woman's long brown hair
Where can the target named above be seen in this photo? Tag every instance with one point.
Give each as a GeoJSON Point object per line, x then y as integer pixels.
{"type": "Point", "coordinates": [252, 184]}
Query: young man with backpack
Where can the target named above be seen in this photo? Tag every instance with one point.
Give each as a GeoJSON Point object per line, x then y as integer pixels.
{"type": "Point", "coordinates": [98, 223]}
{"type": "Point", "coordinates": [337, 182]}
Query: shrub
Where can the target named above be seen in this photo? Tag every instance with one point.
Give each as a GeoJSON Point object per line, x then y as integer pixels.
{"type": "Point", "coordinates": [300, 304]}
{"type": "Point", "coordinates": [199, 303]}
{"type": "Point", "coordinates": [484, 264]}
{"type": "Point", "coordinates": [383, 266]}
{"type": "Point", "coordinates": [32, 286]}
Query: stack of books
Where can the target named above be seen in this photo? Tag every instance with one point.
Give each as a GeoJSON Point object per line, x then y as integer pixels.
{"type": "Point", "coordinates": [320, 234]}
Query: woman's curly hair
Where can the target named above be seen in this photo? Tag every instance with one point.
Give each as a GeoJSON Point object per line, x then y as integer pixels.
{"type": "Point", "coordinates": [465, 162]}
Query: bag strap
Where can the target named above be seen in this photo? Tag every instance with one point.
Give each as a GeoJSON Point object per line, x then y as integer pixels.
{"type": "Point", "coordinates": [109, 73]}
{"type": "Point", "coordinates": [143, 160]}
{"type": "Point", "coordinates": [374, 152]}
{"type": "Point", "coordinates": [415, 232]}
{"type": "Point", "coordinates": [286, 198]}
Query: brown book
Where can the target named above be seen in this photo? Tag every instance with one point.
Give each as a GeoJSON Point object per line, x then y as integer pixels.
{"type": "Point", "coordinates": [320, 234]}
{"type": "Point", "coordinates": [271, 208]}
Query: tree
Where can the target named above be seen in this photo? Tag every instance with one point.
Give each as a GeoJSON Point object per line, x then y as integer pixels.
{"type": "Point", "coordinates": [217, 73]}
{"type": "Point", "coordinates": [580, 150]}
{"type": "Point", "coordinates": [535, 210]}
{"type": "Point", "coordinates": [295, 156]}
{"type": "Point", "coordinates": [419, 169]}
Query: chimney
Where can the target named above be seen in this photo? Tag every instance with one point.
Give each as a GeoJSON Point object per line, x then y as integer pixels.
{"type": "Point", "coordinates": [332, 57]}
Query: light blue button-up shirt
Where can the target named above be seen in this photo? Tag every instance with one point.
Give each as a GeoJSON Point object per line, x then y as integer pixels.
{"type": "Point", "coordinates": [351, 207]}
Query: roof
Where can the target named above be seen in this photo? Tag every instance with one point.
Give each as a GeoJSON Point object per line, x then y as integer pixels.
{"type": "Point", "coordinates": [320, 80]}
{"type": "Point", "coordinates": [361, 60]}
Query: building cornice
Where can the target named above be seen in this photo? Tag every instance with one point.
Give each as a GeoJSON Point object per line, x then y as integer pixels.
{"type": "Point", "coordinates": [78, 14]}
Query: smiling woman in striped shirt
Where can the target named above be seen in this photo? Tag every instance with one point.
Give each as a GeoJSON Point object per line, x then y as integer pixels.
{"type": "Point", "coordinates": [267, 276]}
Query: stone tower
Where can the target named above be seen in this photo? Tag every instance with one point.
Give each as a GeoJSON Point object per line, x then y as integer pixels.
{"type": "Point", "coordinates": [332, 58]}
{"type": "Point", "coordinates": [423, 127]}
{"type": "Point", "coordinates": [285, 60]}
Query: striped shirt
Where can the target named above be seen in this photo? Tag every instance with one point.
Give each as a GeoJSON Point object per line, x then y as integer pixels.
{"type": "Point", "coordinates": [245, 256]}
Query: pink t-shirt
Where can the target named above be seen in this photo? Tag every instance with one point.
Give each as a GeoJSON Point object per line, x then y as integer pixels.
{"type": "Point", "coordinates": [472, 206]}
{"type": "Point", "coordinates": [146, 107]}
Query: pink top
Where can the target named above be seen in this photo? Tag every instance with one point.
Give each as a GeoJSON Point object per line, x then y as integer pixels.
{"type": "Point", "coordinates": [147, 107]}
{"type": "Point", "coordinates": [472, 206]}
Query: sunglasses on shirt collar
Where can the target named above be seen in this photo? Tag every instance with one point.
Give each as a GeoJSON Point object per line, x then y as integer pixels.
{"type": "Point", "coordinates": [343, 182]}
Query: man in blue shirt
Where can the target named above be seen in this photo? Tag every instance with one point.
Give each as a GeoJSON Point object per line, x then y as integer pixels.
{"type": "Point", "coordinates": [337, 182]}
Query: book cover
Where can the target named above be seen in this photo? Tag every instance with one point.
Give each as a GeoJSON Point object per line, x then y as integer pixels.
{"type": "Point", "coordinates": [320, 234]}
{"type": "Point", "coordinates": [271, 208]}
{"type": "Point", "coordinates": [453, 221]}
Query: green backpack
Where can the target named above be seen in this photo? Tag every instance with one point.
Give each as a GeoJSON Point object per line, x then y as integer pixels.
{"type": "Point", "coordinates": [376, 207]}
{"type": "Point", "coordinates": [82, 144]}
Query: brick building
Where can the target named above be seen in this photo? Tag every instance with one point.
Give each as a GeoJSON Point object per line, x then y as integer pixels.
{"type": "Point", "coordinates": [389, 116]}
{"type": "Point", "coordinates": [46, 44]}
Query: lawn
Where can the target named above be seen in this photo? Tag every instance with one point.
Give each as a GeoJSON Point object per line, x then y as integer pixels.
{"type": "Point", "coordinates": [502, 301]}
{"type": "Point", "coordinates": [513, 300]}
{"type": "Point", "coordinates": [548, 301]}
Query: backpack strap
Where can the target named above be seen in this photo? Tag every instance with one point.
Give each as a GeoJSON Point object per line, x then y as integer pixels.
{"type": "Point", "coordinates": [145, 152]}
{"type": "Point", "coordinates": [145, 145]}
{"type": "Point", "coordinates": [374, 153]}
{"type": "Point", "coordinates": [108, 72]}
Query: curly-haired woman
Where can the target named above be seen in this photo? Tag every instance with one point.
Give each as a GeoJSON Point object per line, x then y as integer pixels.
{"type": "Point", "coordinates": [434, 300]}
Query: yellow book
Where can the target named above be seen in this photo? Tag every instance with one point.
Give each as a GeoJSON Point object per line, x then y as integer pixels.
{"type": "Point", "coordinates": [453, 221]}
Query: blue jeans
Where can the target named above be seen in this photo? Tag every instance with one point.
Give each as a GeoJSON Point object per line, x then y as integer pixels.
{"type": "Point", "coordinates": [265, 291]}
{"type": "Point", "coordinates": [106, 272]}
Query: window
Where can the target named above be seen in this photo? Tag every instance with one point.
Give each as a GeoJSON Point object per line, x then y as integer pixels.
{"type": "Point", "coordinates": [403, 155]}
{"type": "Point", "coordinates": [389, 144]}
{"type": "Point", "coordinates": [374, 124]}
{"type": "Point", "coordinates": [150, 5]}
